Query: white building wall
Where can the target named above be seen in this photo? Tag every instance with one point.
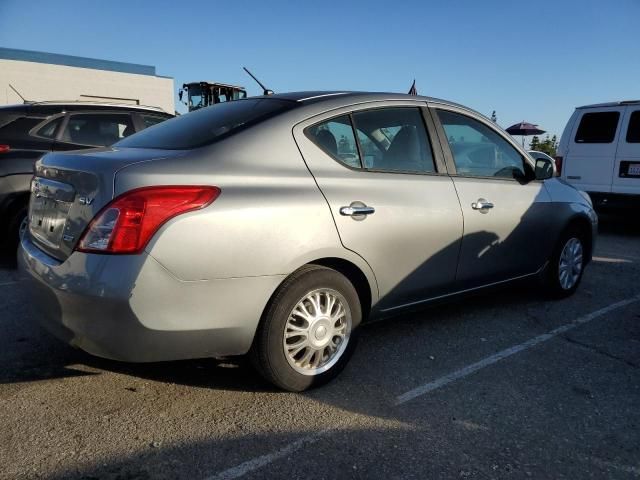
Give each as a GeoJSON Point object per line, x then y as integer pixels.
{"type": "Point", "coordinates": [43, 81]}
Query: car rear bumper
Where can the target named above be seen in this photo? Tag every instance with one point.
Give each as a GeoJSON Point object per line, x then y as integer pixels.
{"type": "Point", "coordinates": [130, 308]}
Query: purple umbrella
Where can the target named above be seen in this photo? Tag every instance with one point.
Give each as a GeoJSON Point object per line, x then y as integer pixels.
{"type": "Point", "coordinates": [524, 129]}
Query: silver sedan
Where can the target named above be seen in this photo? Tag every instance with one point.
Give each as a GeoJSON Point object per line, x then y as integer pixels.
{"type": "Point", "coordinates": [275, 225]}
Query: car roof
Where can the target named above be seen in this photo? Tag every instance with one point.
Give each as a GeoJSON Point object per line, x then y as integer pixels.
{"type": "Point", "coordinates": [319, 96]}
{"type": "Point", "coordinates": [610, 104]}
{"type": "Point", "coordinates": [49, 107]}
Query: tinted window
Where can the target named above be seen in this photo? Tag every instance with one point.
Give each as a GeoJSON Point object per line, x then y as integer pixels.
{"type": "Point", "coordinates": [97, 128]}
{"type": "Point", "coordinates": [19, 128]}
{"type": "Point", "coordinates": [207, 125]}
{"type": "Point", "coordinates": [49, 129]}
{"type": "Point", "coordinates": [633, 132]}
{"type": "Point", "coordinates": [151, 120]}
{"type": "Point", "coordinates": [336, 138]}
{"type": "Point", "coordinates": [394, 139]}
{"type": "Point", "coordinates": [478, 150]}
{"type": "Point", "coordinates": [597, 127]}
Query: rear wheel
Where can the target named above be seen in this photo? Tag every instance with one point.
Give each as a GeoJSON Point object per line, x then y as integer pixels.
{"type": "Point", "coordinates": [564, 271]}
{"type": "Point", "coordinates": [309, 329]}
{"type": "Point", "coordinates": [17, 226]}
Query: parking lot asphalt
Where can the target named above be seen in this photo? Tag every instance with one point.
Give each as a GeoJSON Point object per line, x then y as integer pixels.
{"type": "Point", "coordinates": [499, 385]}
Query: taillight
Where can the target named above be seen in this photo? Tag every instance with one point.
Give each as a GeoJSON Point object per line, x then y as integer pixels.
{"type": "Point", "coordinates": [127, 223]}
{"type": "Point", "coordinates": [558, 165]}
{"type": "Point", "coordinates": [4, 148]}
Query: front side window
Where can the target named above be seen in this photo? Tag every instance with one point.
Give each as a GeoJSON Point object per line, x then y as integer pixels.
{"type": "Point", "coordinates": [479, 151]}
{"type": "Point", "coordinates": [633, 132]}
{"type": "Point", "coordinates": [597, 127]}
{"type": "Point", "coordinates": [100, 129]}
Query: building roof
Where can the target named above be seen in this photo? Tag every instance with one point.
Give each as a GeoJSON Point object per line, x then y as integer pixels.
{"type": "Point", "coordinates": [73, 61]}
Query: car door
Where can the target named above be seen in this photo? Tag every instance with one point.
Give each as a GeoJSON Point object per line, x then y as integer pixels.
{"type": "Point", "coordinates": [93, 129]}
{"type": "Point", "coordinates": [389, 195]}
{"type": "Point", "coordinates": [626, 170]}
{"type": "Point", "coordinates": [506, 214]}
{"type": "Point", "coordinates": [592, 146]}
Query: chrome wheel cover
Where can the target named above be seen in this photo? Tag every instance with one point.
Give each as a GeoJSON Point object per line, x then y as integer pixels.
{"type": "Point", "coordinates": [570, 265]}
{"type": "Point", "coordinates": [317, 331]}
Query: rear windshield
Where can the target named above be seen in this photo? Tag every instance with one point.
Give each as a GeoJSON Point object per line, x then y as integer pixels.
{"type": "Point", "coordinates": [206, 125]}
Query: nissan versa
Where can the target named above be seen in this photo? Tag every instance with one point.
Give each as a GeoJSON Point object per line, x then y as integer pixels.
{"type": "Point", "coordinates": [275, 225]}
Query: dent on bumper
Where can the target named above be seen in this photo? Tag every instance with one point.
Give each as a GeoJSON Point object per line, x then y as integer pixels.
{"type": "Point", "coordinates": [130, 308]}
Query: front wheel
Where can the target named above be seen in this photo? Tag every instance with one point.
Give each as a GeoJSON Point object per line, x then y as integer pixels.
{"type": "Point", "coordinates": [309, 329]}
{"type": "Point", "coordinates": [563, 273]}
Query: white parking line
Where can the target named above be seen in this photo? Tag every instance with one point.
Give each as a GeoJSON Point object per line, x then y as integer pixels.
{"type": "Point", "coordinates": [259, 462]}
{"type": "Point", "coordinates": [474, 367]}
{"type": "Point", "coordinates": [8, 283]}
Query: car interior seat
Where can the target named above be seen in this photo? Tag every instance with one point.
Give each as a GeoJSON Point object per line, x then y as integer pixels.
{"type": "Point", "coordinates": [404, 152]}
{"type": "Point", "coordinates": [326, 141]}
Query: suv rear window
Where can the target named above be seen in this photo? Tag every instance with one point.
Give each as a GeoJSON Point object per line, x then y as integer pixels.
{"type": "Point", "coordinates": [207, 125]}
{"type": "Point", "coordinates": [598, 127]}
{"type": "Point", "coordinates": [633, 132]}
{"type": "Point", "coordinates": [19, 128]}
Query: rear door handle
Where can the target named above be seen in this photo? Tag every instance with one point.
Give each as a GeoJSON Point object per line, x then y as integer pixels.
{"type": "Point", "coordinates": [352, 211]}
{"type": "Point", "coordinates": [482, 205]}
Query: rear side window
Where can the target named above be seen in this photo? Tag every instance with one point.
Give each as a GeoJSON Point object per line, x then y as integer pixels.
{"type": "Point", "coordinates": [151, 120]}
{"type": "Point", "coordinates": [597, 127]}
{"type": "Point", "coordinates": [207, 125]}
{"type": "Point", "coordinates": [49, 129]}
{"type": "Point", "coordinates": [394, 139]}
{"type": "Point", "coordinates": [633, 132]}
{"type": "Point", "coordinates": [336, 138]}
{"type": "Point", "coordinates": [385, 139]}
{"type": "Point", "coordinates": [97, 128]}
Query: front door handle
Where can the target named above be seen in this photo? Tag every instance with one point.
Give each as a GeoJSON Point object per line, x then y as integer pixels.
{"type": "Point", "coordinates": [482, 205]}
{"type": "Point", "coordinates": [352, 211]}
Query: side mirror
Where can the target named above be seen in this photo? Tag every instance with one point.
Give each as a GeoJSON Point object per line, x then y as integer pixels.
{"type": "Point", "coordinates": [544, 169]}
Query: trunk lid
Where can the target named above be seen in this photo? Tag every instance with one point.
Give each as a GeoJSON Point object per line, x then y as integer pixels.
{"type": "Point", "coordinates": [70, 188]}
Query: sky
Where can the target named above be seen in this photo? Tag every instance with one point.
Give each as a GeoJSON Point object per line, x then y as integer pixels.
{"type": "Point", "coordinates": [533, 63]}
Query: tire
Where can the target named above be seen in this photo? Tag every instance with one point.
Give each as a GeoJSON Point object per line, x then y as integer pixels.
{"type": "Point", "coordinates": [15, 225]}
{"type": "Point", "coordinates": [561, 278]}
{"type": "Point", "coordinates": [329, 339]}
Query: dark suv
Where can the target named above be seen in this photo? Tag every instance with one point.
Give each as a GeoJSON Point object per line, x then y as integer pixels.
{"type": "Point", "coordinates": [29, 131]}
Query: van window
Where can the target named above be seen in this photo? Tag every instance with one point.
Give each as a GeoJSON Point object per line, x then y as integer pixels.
{"type": "Point", "coordinates": [633, 132]}
{"type": "Point", "coordinates": [597, 127]}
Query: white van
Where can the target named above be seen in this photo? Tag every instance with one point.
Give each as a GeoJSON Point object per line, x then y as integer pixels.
{"type": "Point", "coordinates": [599, 152]}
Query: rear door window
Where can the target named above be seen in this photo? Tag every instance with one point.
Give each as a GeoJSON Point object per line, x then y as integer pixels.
{"type": "Point", "coordinates": [394, 139]}
{"type": "Point", "coordinates": [597, 127]}
{"type": "Point", "coordinates": [633, 131]}
{"type": "Point", "coordinates": [337, 139]}
{"type": "Point", "coordinates": [98, 129]}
